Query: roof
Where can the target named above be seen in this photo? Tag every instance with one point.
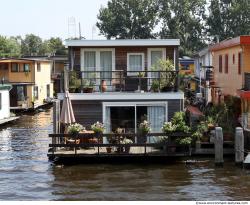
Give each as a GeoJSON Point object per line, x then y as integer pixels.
{"type": "Point", "coordinates": [194, 110]}
{"type": "Point", "coordinates": [9, 60]}
{"type": "Point", "coordinates": [124, 42]}
{"type": "Point", "coordinates": [240, 40]}
{"type": "Point", "coordinates": [5, 87]}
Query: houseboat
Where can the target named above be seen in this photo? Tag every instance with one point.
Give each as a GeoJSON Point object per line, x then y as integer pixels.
{"type": "Point", "coordinates": [30, 79]}
{"type": "Point", "coordinates": [121, 75]}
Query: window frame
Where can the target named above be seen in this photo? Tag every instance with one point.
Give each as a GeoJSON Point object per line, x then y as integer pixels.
{"type": "Point", "coordinates": [239, 62]}
{"type": "Point", "coordinates": [38, 67]}
{"type": "Point", "coordinates": [17, 68]}
{"type": "Point", "coordinates": [129, 72]}
{"type": "Point", "coordinates": [26, 64]}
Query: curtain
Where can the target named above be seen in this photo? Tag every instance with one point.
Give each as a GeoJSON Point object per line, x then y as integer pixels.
{"type": "Point", "coordinates": [89, 63]}
{"type": "Point", "coordinates": [155, 56]}
{"type": "Point", "coordinates": [107, 123]}
{"type": "Point", "coordinates": [135, 63]}
{"type": "Point", "coordinates": [156, 117]}
{"type": "Point", "coordinates": [106, 66]}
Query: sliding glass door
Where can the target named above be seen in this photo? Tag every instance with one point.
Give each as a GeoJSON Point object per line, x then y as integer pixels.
{"type": "Point", "coordinates": [128, 116]}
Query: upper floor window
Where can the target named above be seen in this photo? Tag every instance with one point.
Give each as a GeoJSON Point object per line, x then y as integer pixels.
{"type": "Point", "coordinates": [14, 67]}
{"type": "Point", "coordinates": [135, 62]}
{"type": "Point", "coordinates": [26, 67]}
{"type": "Point", "coordinates": [38, 67]}
{"type": "Point", "coordinates": [239, 63]}
{"type": "Point", "coordinates": [226, 63]}
{"type": "Point", "coordinates": [220, 63]}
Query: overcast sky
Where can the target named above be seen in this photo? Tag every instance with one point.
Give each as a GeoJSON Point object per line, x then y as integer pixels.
{"type": "Point", "coordinates": [49, 18]}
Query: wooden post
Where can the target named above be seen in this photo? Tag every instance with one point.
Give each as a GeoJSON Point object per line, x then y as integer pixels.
{"type": "Point", "coordinates": [239, 145]}
{"type": "Point", "coordinates": [56, 121]}
{"type": "Point", "coordinates": [218, 146]}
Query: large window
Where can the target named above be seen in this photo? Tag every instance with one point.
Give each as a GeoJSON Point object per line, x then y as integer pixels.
{"type": "Point", "coordinates": [14, 67]}
{"type": "Point", "coordinates": [130, 115]}
{"type": "Point", "coordinates": [135, 62]}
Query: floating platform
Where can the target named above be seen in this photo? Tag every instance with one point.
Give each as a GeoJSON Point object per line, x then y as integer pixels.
{"type": "Point", "coordinates": [10, 119]}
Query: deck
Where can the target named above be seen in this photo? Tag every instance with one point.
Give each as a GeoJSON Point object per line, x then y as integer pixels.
{"type": "Point", "coordinates": [91, 146]}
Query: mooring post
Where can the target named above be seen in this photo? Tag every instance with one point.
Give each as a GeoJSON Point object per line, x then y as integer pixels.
{"type": "Point", "coordinates": [239, 145]}
{"type": "Point", "coordinates": [218, 146]}
{"type": "Point", "coordinates": [56, 120]}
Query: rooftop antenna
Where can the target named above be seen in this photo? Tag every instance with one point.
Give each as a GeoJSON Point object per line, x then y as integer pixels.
{"type": "Point", "coordinates": [93, 31]}
{"type": "Point", "coordinates": [71, 27]}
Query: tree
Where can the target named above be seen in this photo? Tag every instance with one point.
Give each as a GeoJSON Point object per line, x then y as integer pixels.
{"type": "Point", "coordinates": [128, 19]}
{"type": "Point", "coordinates": [228, 18]}
{"type": "Point", "coordinates": [9, 47]}
{"type": "Point", "coordinates": [56, 46]}
{"type": "Point", "coordinates": [31, 45]}
{"type": "Point", "coordinates": [184, 19]}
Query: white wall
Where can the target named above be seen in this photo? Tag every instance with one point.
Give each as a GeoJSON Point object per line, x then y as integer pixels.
{"type": "Point", "coordinates": [5, 110]}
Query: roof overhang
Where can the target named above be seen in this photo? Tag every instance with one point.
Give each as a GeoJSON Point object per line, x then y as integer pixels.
{"type": "Point", "coordinates": [240, 40]}
{"type": "Point", "coordinates": [124, 42]}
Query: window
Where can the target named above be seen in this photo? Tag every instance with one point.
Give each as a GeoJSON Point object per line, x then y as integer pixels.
{"type": "Point", "coordinates": [135, 62]}
{"type": "Point", "coordinates": [26, 67]}
{"type": "Point", "coordinates": [38, 67]}
{"type": "Point", "coordinates": [220, 63]}
{"type": "Point", "coordinates": [239, 63]}
{"type": "Point", "coordinates": [226, 63]}
{"type": "Point", "coordinates": [35, 90]}
{"type": "Point", "coordinates": [48, 90]}
{"type": "Point", "coordinates": [14, 67]}
{"type": "Point", "coordinates": [0, 101]}
{"type": "Point", "coordinates": [21, 92]}
{"type": "Point", "coordinates": [233, 58]}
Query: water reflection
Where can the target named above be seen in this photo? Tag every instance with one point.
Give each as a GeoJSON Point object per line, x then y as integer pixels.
{"type": "Point", "coordinates": [26, 173]}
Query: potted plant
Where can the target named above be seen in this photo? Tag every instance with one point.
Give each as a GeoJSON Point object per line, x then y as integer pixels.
{"type": "Point", "coordinates": [126, 141]}
{"type": "Point", "coordinates": [98, 127]}
{"type": "Point", "coordinates": [168, 127]}
{"type": "Point", "coordinates": [155, 87]}
{"type": "Point", "coordinates": [144, 128]}
{"type": "Point", "coordinates": [74, 82]}
{"type": "Point", "coordinates": [75, 128]}
{"type": "Point", "coordinates": [88, 86]}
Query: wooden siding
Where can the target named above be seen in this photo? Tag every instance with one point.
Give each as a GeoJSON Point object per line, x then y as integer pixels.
{"type": "Point", "coordinates": [121, 55]}
{"type": "Point", "coordinates": [88, 112]}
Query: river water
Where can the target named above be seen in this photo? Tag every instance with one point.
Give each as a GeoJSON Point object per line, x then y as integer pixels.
{"type": "Point", "coordinates": [26, 173]}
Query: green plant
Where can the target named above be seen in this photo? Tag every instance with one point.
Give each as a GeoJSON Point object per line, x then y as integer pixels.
{"type": "Point", "coordinates": [126, 141]}
{"type": "Point", "coordinates": [88, 83]}
{"type": "Point", "coordinates": [168, 127]}
{"type": "Point", "coordinates": [74, 82]}
{"type": "Point", "coordinates": [98, 127]}
{"type": "Point", "coordinates": [141, 74]}
{"type": "Point", "coordinates": [184, 141]}
{"type": "Point", "coordinates": [167, 77]}
{"type": "Point", "coordinates": [197, 135]}
{"type": "Point", "coordinates": [144, 127]}
{"type": "Point", "coordinates": [155, 86]}
{"type": "Point", "coordinates": [75, 128]}
{"type": "Point", "coordinates": [180, 122]}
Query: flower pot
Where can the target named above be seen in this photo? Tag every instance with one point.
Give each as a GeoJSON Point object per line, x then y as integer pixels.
{"type": "Point", "coordinates": [109, 149]}
{"type": "Point", "coordinates": [88, 90]}
{"type": "Point", "coordinates": [103, 86]}
{"type": "Point", "coordinates": [127, 149]}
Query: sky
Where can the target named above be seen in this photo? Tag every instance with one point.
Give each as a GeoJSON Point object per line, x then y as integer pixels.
{"type": "Point", "coordinates": [50, 18]}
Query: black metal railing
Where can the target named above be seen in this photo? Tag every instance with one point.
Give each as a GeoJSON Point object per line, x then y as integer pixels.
{"type": "Point", "coordinates": [120, 80]}
{"type": "Point", "coordinates": [102, 144]}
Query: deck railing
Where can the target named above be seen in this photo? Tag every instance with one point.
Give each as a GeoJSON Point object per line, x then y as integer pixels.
{"type": "Point", "coordinates": [120, 80]}
{"type": "Point", "coordinates": [94, 144]}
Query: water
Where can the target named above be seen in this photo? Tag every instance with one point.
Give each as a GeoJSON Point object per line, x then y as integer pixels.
{"type": "Point", "coordinates": [26, 173]}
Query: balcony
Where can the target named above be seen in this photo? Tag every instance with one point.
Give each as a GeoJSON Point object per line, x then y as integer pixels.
{"type": "Point", "coordinates": [122, 81]}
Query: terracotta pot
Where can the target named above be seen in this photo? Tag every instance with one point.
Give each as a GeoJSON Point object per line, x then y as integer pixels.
{"type": "Point", "coordinates": [88, 90]}
{"type": "Point", "coordinates": [103, 86]}
{"type": "Point", "coordinates": [109, 149]}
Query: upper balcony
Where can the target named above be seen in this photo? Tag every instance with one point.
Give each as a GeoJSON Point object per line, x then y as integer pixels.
{"type": "Point", "coordinates": [122, 81]}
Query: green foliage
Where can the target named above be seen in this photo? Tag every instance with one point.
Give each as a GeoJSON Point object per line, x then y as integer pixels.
{"type": "Point", "coordinates": [167, 79]}
{"type": "Point", "coordinates": [74, 81]}
{"type": "Point", "coordinates": [31, 45]}
{"type": "Point", "coordinates": [10, 47]}
{"type": "Point", "coordinates": [75, 128]}
{"type": "Point", "coordinates": [128, 19]}
{"type": "Point", "coordinates": [184, 19]}
{"type": "Point", "coordinates": [228, 18]}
